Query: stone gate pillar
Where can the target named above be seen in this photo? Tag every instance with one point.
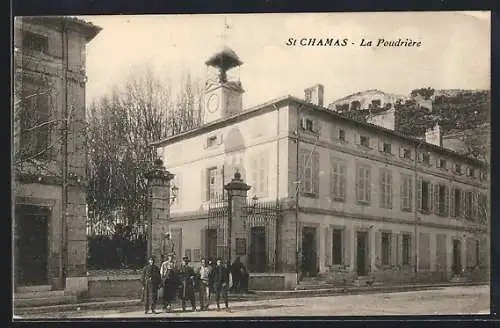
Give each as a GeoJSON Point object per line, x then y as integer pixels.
{"type": "Point", "coordinates": [237, 191]}
{"type": "Point", "coordinates": [159, 207]}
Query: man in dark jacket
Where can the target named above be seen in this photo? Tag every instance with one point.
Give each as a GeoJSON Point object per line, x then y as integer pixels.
{"type": "Point", "coordinates": [236, 272]}
{"type": "Point", "coordinates": [188, 281]}
{"type": "Point", "coordinates": [151, 281]}
{"type": "Point", "coordinates": [220, 280]}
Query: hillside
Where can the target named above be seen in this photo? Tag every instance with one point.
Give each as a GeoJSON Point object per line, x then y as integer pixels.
{"type": "Point", "coordinates": [452, 109]}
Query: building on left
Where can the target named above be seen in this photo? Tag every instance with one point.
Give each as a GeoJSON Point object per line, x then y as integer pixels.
{"type": "Point", "coordinates": [48, 154]}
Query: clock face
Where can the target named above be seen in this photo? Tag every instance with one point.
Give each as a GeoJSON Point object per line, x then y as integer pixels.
{"type": "Point", "coordinates": [213, 103]}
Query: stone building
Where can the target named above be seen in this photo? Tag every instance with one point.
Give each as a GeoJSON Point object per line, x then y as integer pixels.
{"type": "Point", "coordinates": [49, 158]}
{"type": "Point", "coordinates": [369, 99]}
{"type": "Point", "coordinates": [355, 199]}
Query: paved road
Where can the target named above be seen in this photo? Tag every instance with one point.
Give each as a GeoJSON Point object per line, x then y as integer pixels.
{"type": "Point", "coordinates": [440, 301]}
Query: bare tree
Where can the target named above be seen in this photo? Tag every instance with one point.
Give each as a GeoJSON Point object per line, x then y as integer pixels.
{"type": "Point", "coordinates": [121, 126]}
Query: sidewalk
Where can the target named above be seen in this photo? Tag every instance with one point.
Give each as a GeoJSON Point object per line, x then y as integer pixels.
{"type": "Point", "coordinates": [113, 303]}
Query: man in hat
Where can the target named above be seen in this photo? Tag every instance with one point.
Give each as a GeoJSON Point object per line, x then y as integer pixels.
{"type": "Point", "coordinates": [151, 281]}
{"type": "Point", "coordinates": [220, 279]}
{"type": "Point", "coordinates": [204, 275]}
{"type": "Point", "coordinates": [188, 282]}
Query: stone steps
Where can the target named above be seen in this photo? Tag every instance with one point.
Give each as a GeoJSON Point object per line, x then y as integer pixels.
{"type": "Point", "coordinates": [31, 296]}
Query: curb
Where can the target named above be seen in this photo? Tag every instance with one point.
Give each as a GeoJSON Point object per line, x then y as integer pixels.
{"type": "Point", "coordinates": [258, 295]}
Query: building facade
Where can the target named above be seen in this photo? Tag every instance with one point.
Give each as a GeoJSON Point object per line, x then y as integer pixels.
{"type": "Point", "coordinates": [369, 99]}
{"type": "Point", "coordinates": [354, 197]}
{"type": "Point", "coordinates": [49, 157]}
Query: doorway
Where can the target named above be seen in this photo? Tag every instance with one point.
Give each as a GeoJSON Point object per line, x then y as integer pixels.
{"type": "Point", "coordinates": [31, 245]}
{"type": "Point", "coordinates": [309, 265]}
{"type": "Point", "coordinates": [362, 253]}
{"type": "Point", "coordinates": [457, 265]}
{"type": "Point", "coordinates": [257, 261]}
{"type": "Point", "coordinates": [211, 243]}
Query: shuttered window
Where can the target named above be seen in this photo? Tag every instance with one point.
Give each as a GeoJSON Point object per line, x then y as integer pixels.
{"type": "Point", "coordinates": [338, 180]}
{"type": "Point", "coordinates": [337, 249]}
{"type": "Point", "coordinates": [406, 193]}
{"type": "Point", "coordinates": [385, 189]}
{"type": "Point", "coordinates": [309, 169]}
{"type": "Point", "coordinates": [386, 244]}
{"type": "Point", "coordinates": [363, 184]}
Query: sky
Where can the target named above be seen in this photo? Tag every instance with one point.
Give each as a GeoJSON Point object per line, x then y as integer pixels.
{"type": "Point", "coordinates": [454, 51]}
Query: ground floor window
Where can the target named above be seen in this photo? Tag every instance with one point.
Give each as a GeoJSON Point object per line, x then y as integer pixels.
{"type": "Point", "coordinates": [337, 246]}
{"type": "Point", "coordinates": [386, 248]}
{"type": "Point", "coordinates": [406, 249]}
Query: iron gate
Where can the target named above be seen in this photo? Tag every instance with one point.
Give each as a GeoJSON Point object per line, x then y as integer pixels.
{"type": "Point", "coordinates": [255, 236]}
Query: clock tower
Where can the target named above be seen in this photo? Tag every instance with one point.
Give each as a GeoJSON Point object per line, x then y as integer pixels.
{"type": "Point", "coordinates": [223, 97]}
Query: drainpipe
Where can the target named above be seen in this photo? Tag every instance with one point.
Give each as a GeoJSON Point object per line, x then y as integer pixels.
{"type": "Point", "coordinates": [64, 197]}
{"type": "Point", "coordinates": [277, 184]}
{"type": "Point", "coordinates": [297, 194]}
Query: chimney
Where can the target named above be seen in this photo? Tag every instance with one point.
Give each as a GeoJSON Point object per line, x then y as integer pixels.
{"type": "Point", "coordinates": [434, 136]}
{"type": "Point", "coordinates": [315, 94]}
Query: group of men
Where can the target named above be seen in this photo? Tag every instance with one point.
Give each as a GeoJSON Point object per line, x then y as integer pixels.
{"type": "Point", "coordinates": [169, 281]}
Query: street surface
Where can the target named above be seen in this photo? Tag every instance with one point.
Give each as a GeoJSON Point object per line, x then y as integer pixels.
{"type": "Point", "coordinates": [439, 301]}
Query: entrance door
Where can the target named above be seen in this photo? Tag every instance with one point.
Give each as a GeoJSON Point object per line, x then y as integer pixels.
{"type": "Point", "coordinates": [258, 255]}
{"type": "Point", "coordinates": [362, 253]}
{"type": "Point", "coordinates": [457, 265]}
{"type": "Point", "coordinates": [211, 244]}
{"type": "Point", "coordinates": [31, 234]}
{"type": "Point", "coordinates": [309, 266]}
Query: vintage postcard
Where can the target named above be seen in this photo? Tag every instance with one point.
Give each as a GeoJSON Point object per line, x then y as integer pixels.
{"type": "Point", "coordinates": [248, 165]}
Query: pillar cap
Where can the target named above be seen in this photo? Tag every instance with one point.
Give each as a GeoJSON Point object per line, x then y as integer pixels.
{"type": "Point", "coordinates": [237, 183]}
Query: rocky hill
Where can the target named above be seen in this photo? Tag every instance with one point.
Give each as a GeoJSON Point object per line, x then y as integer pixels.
{"type": "Point", "coordinates": [454, 110]}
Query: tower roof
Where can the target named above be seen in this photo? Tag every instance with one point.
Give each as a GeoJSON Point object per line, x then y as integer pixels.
{"type": "Point", "coordinates": [224, 59]}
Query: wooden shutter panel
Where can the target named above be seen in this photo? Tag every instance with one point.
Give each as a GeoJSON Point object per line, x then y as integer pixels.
{"type": "Point", "coordinates": [419, 194]}
{"type": "Point", "coordinates": [303, 123]}
{"type": "Point", "coordinates": [475, 203]}
{"type": "Point", "coordinates": [394, 249]}
{"type": "Point", "coordinates": [430, 194]}
{"type": "Point", "coordinates": [328, 247]}
{"type": "Point", "coordinates": [401, 191]}
{"type": "Point", "coordinates": [368, 185]}
{"type": "Point", "coordinates": [399, 248]}
{"type": "Point", "coordinates": [378, 246]}
{"type": "Point", "coordinates": [452, 202]}
{"type": "Point", "coordinates": [462, 204]}
{"type": "Point", "coordinates": [357, 138]}
{"type": "Point", "coordinates": [301, 169]}
{"type": "Point", "coordinates": [380, 146]}
{"type": "Point", "coordinates": [446, 200]}
{"type": "Point", "coordinates": [401, 152]}
{"type": "Point", "coordinates": [346, 245]}
{"type": "Point", "coordinates": [203, 243]}
{"type": "Point", "coordinates": [204, 185]}
{"type": "Point", "coordinates": [315, 172]}
{"type": "Point", "coordinates": [382, 192]}
{"type": "Point", "coordinates": [412, 249]}
{"type": "Point", "coordinates": [436, 199]}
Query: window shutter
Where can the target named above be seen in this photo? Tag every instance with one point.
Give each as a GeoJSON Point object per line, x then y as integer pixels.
{"type": "Point", "coordinates": [380, 146]}
{"type": "Point", "coordinates": [303, 123]}
{"type": "Point", "coordinates": [402, 191]}
{"type": "Point", "coordinates": [419, 194]}
{"type": "Point", "coordinates": [452, 202]}
{"type": "Point", "coordinates": [399, 249]}
{"type": "Point", "coordinates": [475, 203]}
{"type": "Point", "coordinates": [401, 152]}
{"type": "Point", "coordinates": [431, 197]}
{"type": "Point", "coordinates": [342, 185]}
{"type": "Point", "coordinates": [346, 246]}
{"type": "Point", "coordinates": [389, 182]}
{"type": "Point", "coordinates": [382, 192]}
{"type": "Point", "coordinates": [394, 249]}
{"type": "Point", "coordinates": [420, 157]}
{"type": "Point", "coordinates": [368, 185]}
{"type": "Point", "coordinates": [333, 178]}
{"type": "Point", "coordinates": [462, 204]}
{"type": "Point", "coordinates": [203, 233]}
{"type": "Point", "coordinates": [204, 185]}
{"type": "Point", "coordinates": [358, 138]}
{"type": "Point", "coordinates": [301, 169]}
{"type": "Point", "coordinates": [328, 246]}
{"type": "Point", "coordinates": [437, 162]}
{"type": "Point", "coordinates": [300, 230]}
{"type": "Point", "coordinates": [315, 173]}
{"type": "Point", "coordinates": [358, 187]}
{"type": "Point", "coordinates": [446, 200]}
{"type": "Point", "coordinates": [378, 247]}
{"type": "Point", "coordinates": [412, 250]}
{"type": "Point", "coordinates": [436, 199]}
{"type": "Point", "coordinates": [334, 132]}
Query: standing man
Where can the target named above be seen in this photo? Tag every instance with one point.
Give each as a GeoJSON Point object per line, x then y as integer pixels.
{"type": "Point", "coordinates": [204, 275]}
{"type": "Point", "coordinates": [236, 272]}
{"type": "Point", "coordinates": [220, 278]}
{"type": "Point", "coordinates": [151, 280]}
{"type": "Point", "coordinates": [188, 280]}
